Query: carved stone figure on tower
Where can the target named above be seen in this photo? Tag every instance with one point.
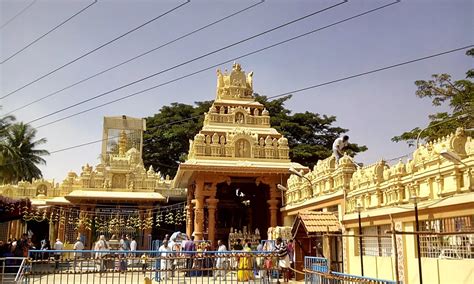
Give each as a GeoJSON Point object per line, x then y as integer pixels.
{"type": "Point", "coordinates": [220, 79]}
{"type": "Point", "coordinates": [250, 80]}
{"type": "Point", "coordinates": [122, 143]}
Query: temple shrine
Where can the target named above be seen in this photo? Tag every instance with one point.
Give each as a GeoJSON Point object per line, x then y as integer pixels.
{"type": "Point", "coordinates": [117, 196]}
{"type": "Point", "coordinates": [234, 165]}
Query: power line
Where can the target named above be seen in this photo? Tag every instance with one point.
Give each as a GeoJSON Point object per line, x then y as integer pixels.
{"type": "Point", "coordinates": [18, 14]}
{"type": "Point", "coordinates": [47, 33]}
{"type": "Point", "coordinates": [101, 140]}
{"type": "Point", "coordinates": [205, 69]}
{"type": "Point", "coordinates": [95, 49]}
{"type": "Point", "coordinates": [375, 70]}
{"type": "Point", "coordinates": [187, 62]}
{"type": "Point", "coordinates": [136, 57]}
{"type": "Point", "coordinates": [286, 93]}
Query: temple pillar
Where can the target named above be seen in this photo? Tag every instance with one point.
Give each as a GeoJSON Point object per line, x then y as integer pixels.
{"type": "Point", "coordinates": [273, 204]}
{"type": "Point", "coordinates": [189, 219]}
{"type": "Point", "coordinates": [211, 230]}
{"type": "Point", "coordinates": [199, 211]}
{"type": "Point", "coordinates": [189, 211]}
{"type": "Point", "coordinates": [273, 207]}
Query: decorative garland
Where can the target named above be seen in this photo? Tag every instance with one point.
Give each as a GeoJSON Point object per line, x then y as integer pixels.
{"type": "Point", "coordinates": [109, 221]}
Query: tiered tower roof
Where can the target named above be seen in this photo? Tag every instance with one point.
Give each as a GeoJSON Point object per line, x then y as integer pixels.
{"type": "Point", "coordinates": [237, 131]}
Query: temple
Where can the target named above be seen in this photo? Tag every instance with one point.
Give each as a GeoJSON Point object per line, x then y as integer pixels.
{"type": "Point", "coordinates": [381, 220]}
{"type": "Point", "coordinates": [435, 186]}
{"type": "Point", "coordinates": [234, 165]}
{"type": "Point", "coordinates": [117, 196]}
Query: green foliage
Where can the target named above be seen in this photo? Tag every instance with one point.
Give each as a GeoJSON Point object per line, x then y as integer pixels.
{"type": "Point", "coordinates": [19, 154]}
{"type": "Point", "coordinates": [166, 141]}
{"type": "Point", "coordinates": [441, 89]}
{"type": "Point", "coordinates": [310, 135]}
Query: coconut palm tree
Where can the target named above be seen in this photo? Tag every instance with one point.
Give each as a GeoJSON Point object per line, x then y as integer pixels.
{"type": "Point", "coordinates": [5, 122]}
{"type": "Point", "coordinates": [19, 155]}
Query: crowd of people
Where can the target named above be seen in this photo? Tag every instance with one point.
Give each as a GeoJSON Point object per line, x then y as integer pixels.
{"type": "Point", "coordinates": [196, 258]}
{"type": "Point", "coordinates": [16, 248]}
{"type": "Point", "coordinates": [268, 258]}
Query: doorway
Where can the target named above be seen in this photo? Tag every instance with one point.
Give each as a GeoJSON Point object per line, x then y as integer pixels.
{"type": "Point", "coordinates": [242, 204]}
{"type": "Point", "coordinates": [40, 231]}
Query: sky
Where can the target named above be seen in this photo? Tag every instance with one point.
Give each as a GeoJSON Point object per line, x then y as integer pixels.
{"type": "Point", "coordinates": [374, 108]}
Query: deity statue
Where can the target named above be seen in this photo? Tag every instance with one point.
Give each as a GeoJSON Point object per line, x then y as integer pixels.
{"type": "Point", "coordinates": [250, 80]}
{"type": "Point", "coordinates": [236, 67]}
{"type": "Point", "coordinates": [220, 79]}
{"type": "Point", "coordinates": [255, 112]}
{"type": "Point", "coordinates": [122, 143]}
{"type": "Point", "coordinates": [239, 118]}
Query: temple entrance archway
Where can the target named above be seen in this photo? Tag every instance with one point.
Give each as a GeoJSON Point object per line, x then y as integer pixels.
{"type": "Point", "coordinates": [242, 206]}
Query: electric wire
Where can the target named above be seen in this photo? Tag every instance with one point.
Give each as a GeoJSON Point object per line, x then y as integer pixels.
{"type": "Point", "coordinates": [48, 32]}
{"type": "Point", "coordinates": [136, 57]}
{"type": "Point", "coordinates": [276, 96]}
{"type": "Point", "coordinates": [95, 49]}
{"type": "Point", "coordinates": [186, 62]}
{"type": "Point", "coordinates": [17, 15]}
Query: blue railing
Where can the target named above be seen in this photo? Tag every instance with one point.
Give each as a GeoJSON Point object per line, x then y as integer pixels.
{"type": "Point", "coordinates": [87, 266]}
{"type": "Point", "coordinates": [317, 272]}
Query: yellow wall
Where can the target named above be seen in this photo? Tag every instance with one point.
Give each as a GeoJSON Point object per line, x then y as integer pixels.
{"type": "Point", "coordinates": [452, 271]}
{"type": "Point", "coordinates": [374, 266]}
{"type": "Point", "coordinates": [435, 271]}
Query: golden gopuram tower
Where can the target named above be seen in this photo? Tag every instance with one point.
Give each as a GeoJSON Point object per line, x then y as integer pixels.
{"type": "Point", "coordinates": [234, 165]}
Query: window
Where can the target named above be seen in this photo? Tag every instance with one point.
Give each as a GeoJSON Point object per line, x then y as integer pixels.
{"type": "Point", "coordinates": [71, 233]}
{"type": "Point", "coordinates": [454, 244]}
{"type": "Point", "coordinates": [376, 242]}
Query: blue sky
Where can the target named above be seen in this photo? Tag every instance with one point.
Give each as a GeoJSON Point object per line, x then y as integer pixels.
{"type": "Point", "coordinates": [374, 108]}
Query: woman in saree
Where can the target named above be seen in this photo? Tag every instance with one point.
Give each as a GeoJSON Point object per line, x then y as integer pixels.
{"type": "Point", "coordinates": [245, 271]}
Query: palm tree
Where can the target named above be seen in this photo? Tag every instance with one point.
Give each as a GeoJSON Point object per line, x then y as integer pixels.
{"type": "Point", "coordinates": [5, 122]}
{"type": "Point", "coordinates": [19, 155]}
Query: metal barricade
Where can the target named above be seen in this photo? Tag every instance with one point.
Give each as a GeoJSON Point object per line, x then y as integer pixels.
{"type": "Point", "coordinates": [12, 269]}
{"type": "Point", "coordinates": [317, 272]}
{"type": "Point", "coordinates": [127, 267]}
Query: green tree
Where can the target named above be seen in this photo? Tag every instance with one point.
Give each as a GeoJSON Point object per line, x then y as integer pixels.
{"type": "Point", "coordinates": [166, 140]}
{"type": "Point", "coordinates": [459, 95]}
{"type": "Point", "coordinates": [19, 155]}
{"type": "Point", "coordinates": [310, 135]}
{"type": "Point", "coordinates": [5, 122]}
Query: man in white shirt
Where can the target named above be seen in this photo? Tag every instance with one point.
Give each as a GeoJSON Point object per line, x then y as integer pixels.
{"type": "Point", "coordinates": [221, 260]}
{"type": "Point", "coordinates": [133, 249]}
{"type": "Point", "coordinates": [165, 262]}
{"type": "Point", "coordinates": [78, 245]}
{"type": "Point", "coordinates": [339, 145]}
{"type": "Point", "coordinates": [58, 245]}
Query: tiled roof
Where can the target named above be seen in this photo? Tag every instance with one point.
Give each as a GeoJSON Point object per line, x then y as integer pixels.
{"type": "Point", "coordinates": [317, 222]}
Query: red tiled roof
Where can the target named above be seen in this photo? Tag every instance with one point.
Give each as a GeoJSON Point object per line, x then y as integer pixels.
{"type": "Point", "coordinates": [317, 222]}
